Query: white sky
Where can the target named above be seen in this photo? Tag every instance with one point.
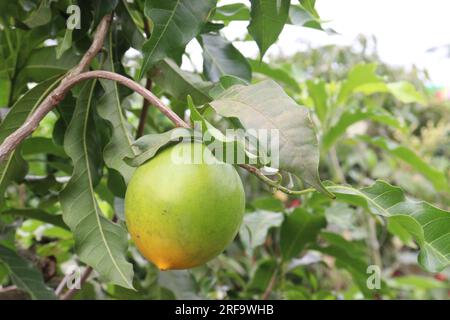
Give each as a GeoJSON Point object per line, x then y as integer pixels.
{"type": "Point", "coordinates": [405, 30]}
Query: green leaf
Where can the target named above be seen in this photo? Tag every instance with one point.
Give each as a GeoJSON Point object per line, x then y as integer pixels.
{"type": "Point", "coordinates": [36, 145]}
{"type": "Point", "coordinates": [37, 214]}
{"type": "Point", "coordinates": [221, 58]}
{"type": "Point", "coordinates": [14, 167]}
{"type": "Point", "coordinates": [148, 145]}
{"type": "Point", "coordinates": [25, 276]}
{"type": "Point", "coordinates": [437, 177]}
{"type": "Point", "coordinates": [298, 229]}
{"type": "Point", "coordinates": [277, 74]}
{"type": "Point", "coordinates": [5, 88]}
{"type": "Point", "coordinates": [415, 282]}
{"type": "Point", "coordinates": [318, 93]}
{"type": "Point", "coordinates": [267, 19]}
{"type": "Point", "coordinates": [64, 44]}
{"type": "Point", "coordinates": [429, 225]}
{"type": "Point", "coordinates": [109, 108]}
{"type": "Point", "coordinates": [352, 116]}
{"type": "Point", "coordinates": [100, 243]}
{"type": "Point", "coordinates": [405, 92]}
{"type": "Point", "coordinates": [179, 83]}
{"type": "Point", "coordinates": [42, 15]}
{"type": "Point", "coordinates": [360, 75]}
{"type": "Point", "coordinates": [175, 23]}
{"type": "Point", "coordinates": [363, 79]}
{"type": "Point", "coordinates": [266, 106]}
{"type": "Point", "coordinates": [306, 16]}
{"type": "Point", "coordinates": [43, 64]}
{"type": "Point", "coordinates": [232, 12]}
{"type": "Point", "coordinates": [256, 225]}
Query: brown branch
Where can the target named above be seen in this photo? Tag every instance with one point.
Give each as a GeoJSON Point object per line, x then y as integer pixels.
{"type": "Point", "coordinates": [71, 292]}
{"type": "Point", "coordinates": [144, 113]}
{"type": "Point", "coordinates": [58, 93]}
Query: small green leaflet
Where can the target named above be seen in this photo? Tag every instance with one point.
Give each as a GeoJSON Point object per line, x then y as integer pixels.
{"type": "Point", "coordinates": [99, 242]}
{"type": "Point", "coordinates": [25, 275]}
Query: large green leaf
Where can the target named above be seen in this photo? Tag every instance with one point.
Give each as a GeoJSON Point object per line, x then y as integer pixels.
{"type": "Point", "coordinates": [438, 178]}
{"type": "Point", "coordinates": [221, 58]}
{"type": "Point", "coordinates": [429, 225]}
{"type": "Point", "coordinates": [25, 275]}
{"type": "Point", "coordinates": [43, 64]}
{"type": "Point", "coordinates": [352, 116]}
{"type": "Point", "coordinates": [100, 243]}
{"type": "Point", "coordinates": [179, 83]}
{"type": "Point", "coordinates": [266, 106]}
{"type": "Point", "coordinates": [109, 108]}
{"type": "Point", "coordinates": [14, 167]}
{"type": "Point", "coordinates": [267, 19]}
{"type": "Point", "coordinates": [298, 229]}
{"type": "Point", "coordinates": [175, 23]}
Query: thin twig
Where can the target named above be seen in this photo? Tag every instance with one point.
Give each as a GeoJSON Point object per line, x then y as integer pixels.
{"type": "Point", "coordinates": [274, 184]}
{"type": "Point", "coordinates": [71, 292]}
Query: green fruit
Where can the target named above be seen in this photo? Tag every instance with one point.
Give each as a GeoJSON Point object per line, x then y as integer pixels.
{"type": "Point", "coordinates": [181, 215]}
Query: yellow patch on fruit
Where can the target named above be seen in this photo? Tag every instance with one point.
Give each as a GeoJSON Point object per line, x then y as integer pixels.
{"type": "Point", "coordinates": [181, 214]}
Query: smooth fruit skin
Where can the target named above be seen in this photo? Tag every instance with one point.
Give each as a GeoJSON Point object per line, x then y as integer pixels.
{"type": "Point", "coordinates": [183, 215]}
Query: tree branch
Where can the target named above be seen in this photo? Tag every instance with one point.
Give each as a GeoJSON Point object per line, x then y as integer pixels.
{"type": "Point", "coordinates": [11, 142]}
{"type": "Point", "coordinates": [58, 94]}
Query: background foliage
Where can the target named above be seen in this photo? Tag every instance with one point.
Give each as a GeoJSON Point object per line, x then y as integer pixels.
{"type": "Point", "coordinates": [383, 146]}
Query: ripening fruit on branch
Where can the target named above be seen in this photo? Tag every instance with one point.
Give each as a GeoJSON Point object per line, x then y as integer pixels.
{"type": "Point", "coordinates": [182, 212]}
